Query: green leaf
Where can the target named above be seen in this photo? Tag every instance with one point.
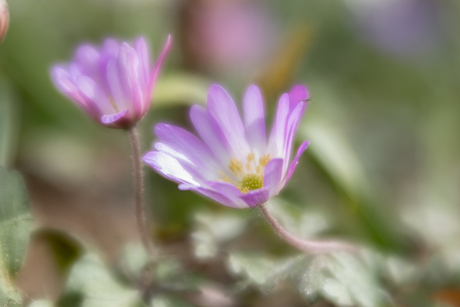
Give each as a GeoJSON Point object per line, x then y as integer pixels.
{"type": "Point", "coordinates": [212, 229]}
{"type": "Point", "coordinates": [339, 162]}
{"type": "Point", "coordinates": [180, 89]}
{"type": "Point", "coordinates": [93, 285]}
{"type": "Point", "coordinates": [341, 278]}
{"type": "Point", "coordinates": [41, 303]}
{"type": "Point", "coordinates": [15, 225]}
{"type": "Point", "coordinates": [8, 124]}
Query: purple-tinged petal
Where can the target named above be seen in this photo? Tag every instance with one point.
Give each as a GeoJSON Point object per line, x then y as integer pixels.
{"type": "Point", "coordinates": [112, 119]}
{"type": "Point", "coordinates": [63, 81]}
{"type": "Point", "coordinates": [229, 191]}
{"type": "Point", "coordinates": [189, 162]}
{"type": "Point", "coordinates": [273, 175]}
{"type": "Point", "coordinates": [256, 197]}
{"type": "Point", "coordinates": [298, 93]}
{"type": "Point", "coordinates": [277, 136]}
{"type": "Point", "coordinates": [216, 196]}
{"type": "Point", "coordinates": [96, 101]}
{"type": "Point", "coordinates": [254, 119]}
{"type": "Point", "coordinates": [120, 102]}
{"type": "Point", "coordinates": [181, 140]}
{"type": "Point", "coordinates": [158, 63]}
{"type": "Point", "coordinates": [87, 58]}
{"type": "Point", "coordinates": [142, 51]}
{"type": "Point", "coordinates": [169, 167]}
{"type": "Point", "coordinates": [211, 133]}
{"type": "Point", "coordinates": [223, 109]}
{"type": "Point", "coordinates": [295, 161]}
{"type": "Point", "coordinates": [291, 127]}
{"type": "Point", "coordinates": [128, 69]}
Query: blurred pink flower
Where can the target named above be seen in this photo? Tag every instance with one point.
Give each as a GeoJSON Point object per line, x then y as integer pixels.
{"type": "Point", "coordinates": [235, 35]}
{"type": "Point", "coordinates": [4, 19]}
{"type": "Point", "coordinates": [113, 84]}
{"type": "Point", "coordinates": [232, 163]}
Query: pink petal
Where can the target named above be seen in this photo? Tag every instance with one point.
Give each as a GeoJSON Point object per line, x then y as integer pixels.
{"type": "Point", "coordinates": [115, 119]}
{"type": "Point", "coordinates": [254, 119]}
{"type": "Point", "coordinates": [229, 191]}
{"type": "Point", "coordinates": [273, 175]}
{"type": "Point", "coordinates": [295, 161]}
{"type": "Point", "coordinates": [211, 133]}
{"type": "Point", "coordinates": [222, 108]}
{"type": "Point", "coordinates": [256, 197]}
{"type": "Point", "coordinates": [158, 63]}
{"type": "Point", "coordinates": [277, 136]}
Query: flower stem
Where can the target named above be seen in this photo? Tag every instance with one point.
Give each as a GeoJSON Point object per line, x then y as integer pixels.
{"type": "Point", "coordinates": [307, 246]}
{"type": "Point", "coordinates": [139, 191]}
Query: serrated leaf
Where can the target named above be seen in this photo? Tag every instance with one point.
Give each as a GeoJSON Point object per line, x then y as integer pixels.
{"type": "Point", "coordinates": [92, 282]}
{"type": "Point", "coordinates": [15, 225]}
{"type": "Point", "coordinates": [258, 270]}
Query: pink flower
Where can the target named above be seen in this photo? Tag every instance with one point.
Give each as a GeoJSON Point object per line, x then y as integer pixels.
{"type": "Point", "coordinates": [4, 19]}
{"type": "Point", "coordinates": [232, 163]}
{"type": "Point", "coordinates": [113, 84]}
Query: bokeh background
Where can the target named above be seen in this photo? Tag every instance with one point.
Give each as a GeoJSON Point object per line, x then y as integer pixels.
{"type": "Point", "coordinates": [383, 168]}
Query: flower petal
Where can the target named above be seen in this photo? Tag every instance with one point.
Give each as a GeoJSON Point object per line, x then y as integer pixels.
{"type": "Point", "coordinates": [169, 167]}
{"type": "Point", "coordinates": [298, 93]}
{"type": "Point", "coordinates": [87, 57]}
{"type": "Point", "coordinates": [117, 119]}
{"type": "Point", "coordinates": [256, 197]}
{"type": "Point", "coordinates": [128, 69]}
{"type": "Point", "coordinates": [273, 175]}
{"type": "Point", "coordinates": [229, 191]}
{"type": "Point", "coordinates": [254, 119]}
{"type": "Point", "coordinates": [277, 136]}
{"type": "Point", "coordinates": [62, 80]}
{"type": "Point", "coordinates": [295, 161]}
{"type": "Point", "coordinates": [291, 127]}
{"type": "Point", "coordinates": [185, 142]}
{"type": "Point", "coordinates": [216, 196]}
{"type": "Point", "coordinates": [223, 109]}
{"type": "Point", "coordinates": [158, 63]}
{"type": "Point", "coordinates": [211, 133]}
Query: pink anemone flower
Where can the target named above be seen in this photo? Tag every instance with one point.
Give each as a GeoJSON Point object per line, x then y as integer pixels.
{"type": "Point", "coordinates": [113, 84]}
{"type": "Point", "coordinates": [233, 163]}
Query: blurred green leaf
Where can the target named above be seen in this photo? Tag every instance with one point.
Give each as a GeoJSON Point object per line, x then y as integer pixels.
{"type": "Point", "coordinates": [212, 229]}
{"type": "Point", "coordinates": [41, 303]}
{"type": "Point", "coordinates": [92, 284]}
{"type": "Point", "coordinates": [341, 278]}
{"type": "Point", "coordinates": [168, 301]}
{"type": "Point", "coordinates": [15, 225]}
{"type": "Point", "coordinates": [180, 89]}
{"type": "Point", "coordinates": [65, 249]}
{"type": "Point", "coordinates": [8, 124]}
{"type": "Point", "coordinates": [338, 161]}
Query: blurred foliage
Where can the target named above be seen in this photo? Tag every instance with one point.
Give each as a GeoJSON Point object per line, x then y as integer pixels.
{"type": "Point", "coordinates": [15, 225]}
{"type": "Point", "coordinates": [382, 169]}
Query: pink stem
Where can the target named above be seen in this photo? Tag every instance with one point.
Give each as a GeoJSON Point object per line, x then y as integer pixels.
{"type": "Point", "coordinates": [307, 246]}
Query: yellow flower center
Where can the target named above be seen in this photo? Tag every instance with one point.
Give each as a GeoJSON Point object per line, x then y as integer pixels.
{"type": "Point", "coordinates": [247, 175]}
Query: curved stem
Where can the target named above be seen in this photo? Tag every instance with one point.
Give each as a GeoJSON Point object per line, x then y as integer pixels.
{"type": "Point", "coordinates": [307, 246]}
{"type": "Point", "coordinates": [139, 191]}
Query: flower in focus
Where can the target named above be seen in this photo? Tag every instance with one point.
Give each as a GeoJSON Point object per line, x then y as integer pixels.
{"type": "Point", "coordinates": [232, 163]}
{"type": "Point", "coordinates": [113, 84]}
{"type": "Point", "coordinates": [4, 19]}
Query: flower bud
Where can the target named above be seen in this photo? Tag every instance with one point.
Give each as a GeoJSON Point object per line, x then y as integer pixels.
{"type": "Point", "coordinates": [4, 19]}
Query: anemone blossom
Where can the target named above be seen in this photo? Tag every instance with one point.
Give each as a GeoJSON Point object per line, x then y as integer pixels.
{"type": "Point", "coordinates": [233, 162]}
{"type": "Point", "coordinates": [113, 84]}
